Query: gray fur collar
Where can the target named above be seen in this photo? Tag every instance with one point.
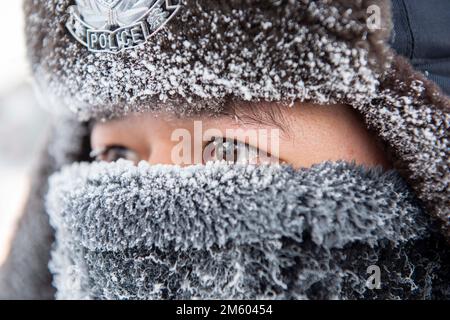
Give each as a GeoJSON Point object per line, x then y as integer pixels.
{"type": "Point", "coordinates": [229, 231]}
{"type": "Point", "coordinates": [219, 52]}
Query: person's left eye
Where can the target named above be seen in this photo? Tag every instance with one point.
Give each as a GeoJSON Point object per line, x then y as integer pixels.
{"type": "Point", "coordinates": [114, 153]}
{"type": "Point", "coordinates": [234, 151]}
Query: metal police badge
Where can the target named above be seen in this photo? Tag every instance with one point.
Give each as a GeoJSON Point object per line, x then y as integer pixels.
{"type": "Point", "coordinates": [116, 25]}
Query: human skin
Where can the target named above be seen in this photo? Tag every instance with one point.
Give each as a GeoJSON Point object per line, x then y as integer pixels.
{"type": "Point", "coordinates": [309, 134]}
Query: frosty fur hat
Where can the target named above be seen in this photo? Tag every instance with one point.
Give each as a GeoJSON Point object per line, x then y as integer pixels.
{"type": "Point", "coordinates": [213, 53]}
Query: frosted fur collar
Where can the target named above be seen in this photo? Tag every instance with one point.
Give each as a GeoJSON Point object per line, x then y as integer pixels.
{"type": "Point", "coordinates": [228, 231]}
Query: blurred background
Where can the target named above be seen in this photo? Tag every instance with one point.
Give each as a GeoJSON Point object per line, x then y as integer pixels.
{"type": "Point", "coordinates": [22, 122]}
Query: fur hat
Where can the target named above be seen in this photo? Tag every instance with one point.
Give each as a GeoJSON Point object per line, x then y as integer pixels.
{"type": "Point", "coordinates": [212, 52]}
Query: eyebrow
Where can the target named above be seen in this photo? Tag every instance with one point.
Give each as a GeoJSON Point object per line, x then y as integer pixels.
{"type": "Point", "coordinates": [259, 113]}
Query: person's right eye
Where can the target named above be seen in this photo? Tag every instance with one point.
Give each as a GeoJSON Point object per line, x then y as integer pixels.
{"type": "Point", "coordinates": [114, 153]}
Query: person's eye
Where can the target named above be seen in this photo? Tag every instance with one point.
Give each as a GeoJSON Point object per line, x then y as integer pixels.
{"type": "Point", "coordinates": [234, 151]}
{"type": "Point", "coordinates": [114, 153]}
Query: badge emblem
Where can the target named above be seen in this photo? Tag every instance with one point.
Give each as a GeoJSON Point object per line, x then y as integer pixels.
{"type": "Point", "coordinates": [116, 25]}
